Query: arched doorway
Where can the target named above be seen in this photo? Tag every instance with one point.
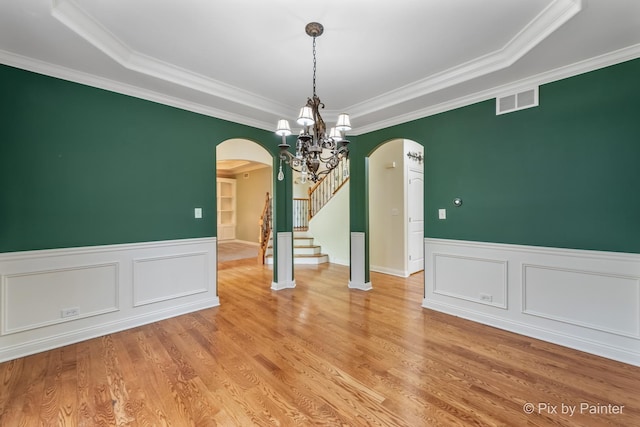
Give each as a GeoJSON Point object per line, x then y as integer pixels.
{"type": "Point", "coordinates": [244, 176]}
{"type": "Point", "coordinates": [396, 219]}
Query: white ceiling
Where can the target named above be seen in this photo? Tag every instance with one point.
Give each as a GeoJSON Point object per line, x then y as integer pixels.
{"type": "Point", "coordinates": [250, 61]}
{"type": "Point", "coordinates": [234, 167]}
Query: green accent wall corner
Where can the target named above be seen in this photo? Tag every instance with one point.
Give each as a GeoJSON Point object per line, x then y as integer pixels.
{"type": "Point", "coordinates": [562, 174]}
{"type": "Point", "coordinates": [83, 166]}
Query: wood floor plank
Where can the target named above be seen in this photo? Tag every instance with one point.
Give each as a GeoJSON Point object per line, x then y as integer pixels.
{"type": "Point", "coordinates": [318, 354]}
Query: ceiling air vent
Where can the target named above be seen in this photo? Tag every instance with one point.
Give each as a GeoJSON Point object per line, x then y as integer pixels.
{"type": "Point", "coordinates": [517, 101]}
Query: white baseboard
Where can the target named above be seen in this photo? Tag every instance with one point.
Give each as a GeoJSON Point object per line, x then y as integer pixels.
{"type": "Point", "coordinates": [56, 297]}
{"type": "Point", "coordinates": [587, 300]}
{"type": "Point", "coordinates": [289, 284]}
{"type": "Point", "coordinates": [390, 271]}
{"type": "Point", "coordinates": [246, 242]}
{"type": "Point", "coordinates": [571, 341]}
{"type": "Point", "coordinates": [363, 286]}
{"type": "Point", "coordinates": [339, 261]}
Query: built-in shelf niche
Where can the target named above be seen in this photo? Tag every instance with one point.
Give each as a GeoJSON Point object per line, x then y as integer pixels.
{"type": "Point", "coordinates": [226, 202]}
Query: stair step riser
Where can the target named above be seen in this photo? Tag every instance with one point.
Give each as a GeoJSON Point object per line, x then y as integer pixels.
{"type": "Point", "coordinates": [303, 241]}
{"type": "Point", "coordinates": [303, 260]}
{"type": "Point", "coordinates": [302, 250]}
{"type": "Point", "coordinates": [307, 250]}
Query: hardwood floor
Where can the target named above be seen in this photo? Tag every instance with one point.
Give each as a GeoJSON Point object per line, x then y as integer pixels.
{"type": "Point", "coordinates": [232, 251]}
{"type": "Point", "coordinates": [319, 354]}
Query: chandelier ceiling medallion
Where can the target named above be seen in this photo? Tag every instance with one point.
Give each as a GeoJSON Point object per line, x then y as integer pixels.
{"type": "Point", "coordinates": [317, 153]}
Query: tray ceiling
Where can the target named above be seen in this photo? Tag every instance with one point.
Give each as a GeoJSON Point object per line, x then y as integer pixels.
{"type": "Point", "coordinates": [384, 62]}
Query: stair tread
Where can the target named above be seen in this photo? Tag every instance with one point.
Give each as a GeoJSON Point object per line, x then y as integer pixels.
{"type": "Point", "coordinates": [309, 255]}
{"type": "Point", "coordinates": [299, 246]}
{"type": "Point", "coordinates": [301, 255]}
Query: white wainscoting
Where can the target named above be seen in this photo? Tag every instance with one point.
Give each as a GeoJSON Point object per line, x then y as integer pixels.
{"type": "Point", "coordinates": [587, 300]}
{"type": "Point", "coordinates": [52, 298]}
{"type": "Point", "coordinates": [357, 270]}
{"type": "Point", "coordinates": [169, 277]}
{"type": "Point", "coordinates": [284, 262]}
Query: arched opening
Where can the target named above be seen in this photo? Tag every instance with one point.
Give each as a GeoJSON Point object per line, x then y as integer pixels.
{"type": "Point", "coordinates": [396, 207]}
{"type": "Point", "coordinates": [244, 181]}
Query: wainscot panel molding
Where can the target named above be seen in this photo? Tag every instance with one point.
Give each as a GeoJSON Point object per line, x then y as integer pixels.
{"type": "Point", "coordinates": [586, 300]}
{"type": "Point", "coordinates": [169, 277]}
{"type": "Point", "coordinates": [51, 298]}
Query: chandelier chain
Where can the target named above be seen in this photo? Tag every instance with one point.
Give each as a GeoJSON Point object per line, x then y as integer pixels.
{"type": "Point", "coordinates": [314, 66]}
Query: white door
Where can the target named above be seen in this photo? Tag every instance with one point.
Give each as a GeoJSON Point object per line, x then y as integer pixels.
{"type": "Point", "coordinates": [415, 208]}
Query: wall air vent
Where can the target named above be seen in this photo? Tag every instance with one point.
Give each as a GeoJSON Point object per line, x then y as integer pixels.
{"type": "Point", "coordinates": [517, 101]}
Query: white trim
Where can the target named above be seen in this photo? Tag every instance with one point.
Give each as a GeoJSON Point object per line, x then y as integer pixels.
{"type": "Point", "coordinates": [564, 319]}
{"type": "Point", "coordinates": [553, 17]}
{"type": "Point", "coordinates": [584, 299]}
{"type": "Point", "coordinates": [25, 255]}
{"type": "Point", "coordinates": [357, 254]}
{"type": "Point", "coordinates": [362, 286]}
{"type": "Point", "coordinates": [45, 343]}
{"type": "Point", "coordinates": [504, 278]}
{"type": "Point", "coordinates": [244, 242]}
{"type": "Point", "coordinates": [283, 284]}
{"type": "Point", "coordinates": [604, 60]}
{"type": "Point", "coordinates": [591, 64]}
{"type": "Point", "coordinates": [556, 14]}
{"type": "Point", "coordinates": [138, 262]}
{"type": "Point", "coordinates": [284, 262]}
{"type": "Point", "coordinates": [5, 279]}
{"type": "Point", "coordinates": [64, 73]}
{"type": "Point", "coordinates": [582, 253]}
{"type": "Point", "coordinates": [80, 22]}
{"type": "Point", "coordinates": [182, 292]}
{"type": "Point", "coordinates": [621, 354]}
{"type": "Point", "coordinates": [339, 261]}
{"type": "Point", "coordinates": [390, 271]}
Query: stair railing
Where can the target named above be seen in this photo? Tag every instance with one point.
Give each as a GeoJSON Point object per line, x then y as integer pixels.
{"type": "Point", "coordinates": [264, 225]}
{"type": "Point", "coordinates": [323, 190]}
{"type": "Point", "coordinates": [300, 214]}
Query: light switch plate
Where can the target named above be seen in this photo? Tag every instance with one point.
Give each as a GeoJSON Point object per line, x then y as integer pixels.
{"type": "Point", "coordinates": [197, 212]}
{"type": "Point", "coordinates": [442, 213]}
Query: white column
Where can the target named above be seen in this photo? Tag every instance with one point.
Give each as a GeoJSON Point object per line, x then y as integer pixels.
{"type": "Point", "coordinates": [358, 275]}
{"type": "Point", "coordinates": [284, 260]}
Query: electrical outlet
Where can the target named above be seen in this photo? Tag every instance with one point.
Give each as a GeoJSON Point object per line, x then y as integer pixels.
{"type": "Point", "coordinates": [70, 312]}
{"type": "Point", "coordinates": [486, 297]}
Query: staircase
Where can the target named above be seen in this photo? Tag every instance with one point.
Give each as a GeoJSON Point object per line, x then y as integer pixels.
{"type": "Point", "coordinates": [304, 250]}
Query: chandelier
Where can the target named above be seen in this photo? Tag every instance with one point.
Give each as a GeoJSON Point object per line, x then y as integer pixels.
{"type": "Point", "coordinates": [317, 153]}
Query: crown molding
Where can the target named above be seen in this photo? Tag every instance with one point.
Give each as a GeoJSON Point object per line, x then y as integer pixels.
{"type": "Point", "coordinates": [581, 67]}
{"type": "Point", "coordinates": [556, 14]}
{"type": "Point", "coordinates": [45, 68]}
{"type": "Point", "coordinates": [52, 70]}
{"type": "Point", "coordinates": [550, 19]}
{"type": "Point", "coordinates": [76, 19]}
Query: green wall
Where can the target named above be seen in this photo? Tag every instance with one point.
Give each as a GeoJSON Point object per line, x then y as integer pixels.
{"type": "Point", "coordinates": [82, 166]}
{"type": "Point", "coordinates": [564, 174]}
